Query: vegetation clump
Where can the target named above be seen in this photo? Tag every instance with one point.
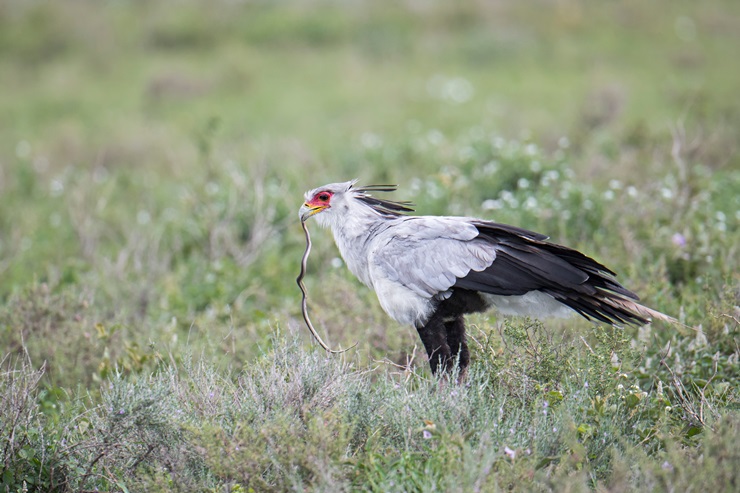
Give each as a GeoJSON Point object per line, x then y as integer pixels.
{"type": "Point", "coordinates": [152, 161]}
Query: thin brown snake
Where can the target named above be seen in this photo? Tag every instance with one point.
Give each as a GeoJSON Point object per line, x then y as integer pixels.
{"type": "Point", "coordinates": [304, 308]}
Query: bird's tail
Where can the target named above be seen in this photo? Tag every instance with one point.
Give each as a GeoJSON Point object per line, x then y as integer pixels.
{"type": "Point", "coordinates": [633, 311]}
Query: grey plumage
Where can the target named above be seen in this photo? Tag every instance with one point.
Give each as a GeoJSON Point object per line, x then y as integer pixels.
{"type": "Point", "coordinates": [423, 267]}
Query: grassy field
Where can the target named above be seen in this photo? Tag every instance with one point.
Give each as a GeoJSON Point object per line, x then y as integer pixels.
{"type": "Point", "coordinates": [153, 156]}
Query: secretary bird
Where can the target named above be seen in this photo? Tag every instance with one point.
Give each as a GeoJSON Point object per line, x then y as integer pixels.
{"type": "Point", "coordinates": [429, 271]}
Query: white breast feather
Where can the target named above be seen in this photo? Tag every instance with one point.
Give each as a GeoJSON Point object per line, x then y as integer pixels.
{"type": "Point", "coordinates": [401, 303]}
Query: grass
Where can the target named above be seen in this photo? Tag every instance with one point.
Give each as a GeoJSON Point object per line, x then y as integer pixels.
{"type": "Point", "coordinates": [297, 419]}
{"type": "Point", "coordinates": [153, 160]}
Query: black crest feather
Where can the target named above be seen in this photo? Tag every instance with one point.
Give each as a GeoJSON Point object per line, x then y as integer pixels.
{"type": "Point", "coordinates": [389, 207]}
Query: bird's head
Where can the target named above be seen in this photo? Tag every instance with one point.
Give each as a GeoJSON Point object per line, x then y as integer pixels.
{"type": "Point", "coordinates": [334, 202]}
{"type": "Point", "coordinates": [327, 201]}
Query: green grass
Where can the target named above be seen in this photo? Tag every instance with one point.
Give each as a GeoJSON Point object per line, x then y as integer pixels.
{"type": "Point", "coordinates": [152, 161]}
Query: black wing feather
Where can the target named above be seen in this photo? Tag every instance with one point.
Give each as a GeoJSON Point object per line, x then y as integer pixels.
{"type": "Point", "coordinates": [525, 262]}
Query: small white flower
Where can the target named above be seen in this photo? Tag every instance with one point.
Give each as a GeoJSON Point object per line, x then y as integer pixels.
{"type": "Point", "coordinates": [491, 205]}
{"type": "Point", "coordinates": [435, 137]}
{"type": "Point", "coordinates": [56, 187]}
{"type": "Point", "coordinates": [511, 453]}
{"type": "Point", "coordinates": [370, 140]}
{"type": "Point", "coordinates": [530, 203]}
{"type": "Point", "coordinates": [459, 90]}
{"type": "Point", "coordinates": [143, 217]}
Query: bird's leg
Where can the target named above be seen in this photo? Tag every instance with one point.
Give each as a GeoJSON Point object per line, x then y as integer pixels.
{"type": "Point", "coordinates": [434, 336]}
{"type": "Point", "coordinates": [443, 334]}
{"type": "Point", "coordinates": [458, 346]}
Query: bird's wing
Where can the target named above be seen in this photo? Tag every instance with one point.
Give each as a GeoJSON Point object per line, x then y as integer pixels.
{"type": "Point", "coordinates": [431, 255]}
{"type": "Point", "coordinates": [524, 263]}
{"type": "Point", "coordinates": [428, 255]}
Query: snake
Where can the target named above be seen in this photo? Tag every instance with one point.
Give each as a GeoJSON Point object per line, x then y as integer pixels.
{"type": "Point", "coordinates": [304, 301]}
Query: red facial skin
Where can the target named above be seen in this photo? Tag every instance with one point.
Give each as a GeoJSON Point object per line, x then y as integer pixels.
{"type": "Point", "coordinates": [320, 199]}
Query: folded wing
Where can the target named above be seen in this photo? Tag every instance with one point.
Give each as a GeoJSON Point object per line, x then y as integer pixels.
{"type": "Point", "coordinates": [430, 256]}
{"type": "Point", "coordinates": [524, 263]}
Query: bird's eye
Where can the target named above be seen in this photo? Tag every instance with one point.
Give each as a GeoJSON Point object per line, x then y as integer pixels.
{"type": "Point", "coordinates": [323, 196]}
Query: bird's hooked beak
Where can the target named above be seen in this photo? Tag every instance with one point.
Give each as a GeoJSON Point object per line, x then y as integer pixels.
{"type": "Point", "coordinates": [307, 210]}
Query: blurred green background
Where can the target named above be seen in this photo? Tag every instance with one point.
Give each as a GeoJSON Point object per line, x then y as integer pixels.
{"type": "Point", "coordinates": [153, 156]}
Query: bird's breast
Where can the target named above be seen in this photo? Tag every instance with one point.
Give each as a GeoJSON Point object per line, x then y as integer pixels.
{"type": "Point", "coordinates": [402, 304]}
